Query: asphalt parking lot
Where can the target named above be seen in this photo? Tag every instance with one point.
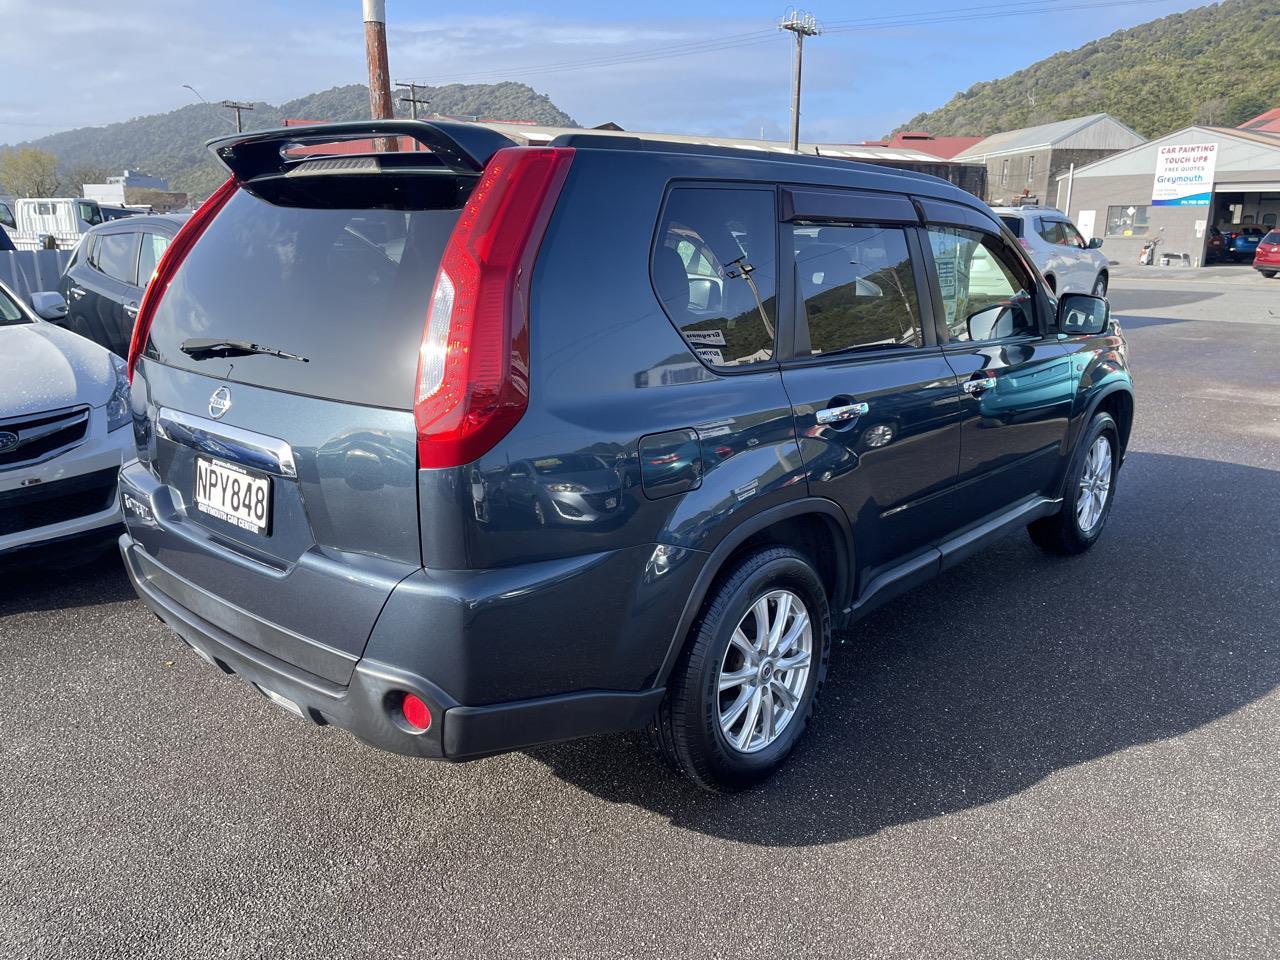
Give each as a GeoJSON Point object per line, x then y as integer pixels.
{"type": "Point", "coordinates": [1031, 757]}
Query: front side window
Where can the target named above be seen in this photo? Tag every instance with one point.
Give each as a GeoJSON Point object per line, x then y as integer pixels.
{"type": "Point", "coordinates": [1130, 221]}
{"type": "Point", "coordinates": [714, 269]}
{"type": "Point", "coordinates": [857, 287]}
{"type": "Point", "coordinates": [114, 256]}
{"type": "Point", "coordinates": [1071, 236]}
{"type": "Point", "coordinates": [985, 296]}
{"type": "Point", "coordinates": [90, 213]}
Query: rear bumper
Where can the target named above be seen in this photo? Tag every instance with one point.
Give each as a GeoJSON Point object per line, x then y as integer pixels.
{"type": "Point", "coordinates": [368, 704]}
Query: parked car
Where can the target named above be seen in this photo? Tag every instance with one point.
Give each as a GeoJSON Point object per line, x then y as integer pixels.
{"type": "Point", "coordinates": [1242, 242]}
{"type": "Point", "coordinates": [104, 281]}
{"type": "Point", "coordinates": [1266, 258]}
{"type": "Point", "coordinates": [1069, 263]}
{"type": "Point", "coordinates": [119, 213]}
{"type": "Point", "coordinates": [1215, 248]}
{"type": "Point", "coordinates": [849, 418]}
{"type": "Point", "coordinates": [63, 412]}
{"type": "Point", "coordinates": [6, 215]}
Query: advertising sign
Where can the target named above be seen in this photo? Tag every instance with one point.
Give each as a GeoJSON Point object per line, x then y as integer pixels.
{"type": "Point", "coordinates": [1184, 175]}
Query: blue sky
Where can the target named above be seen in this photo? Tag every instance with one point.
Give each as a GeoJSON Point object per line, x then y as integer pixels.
{"type": "Point", "coordinates": [731, 78]}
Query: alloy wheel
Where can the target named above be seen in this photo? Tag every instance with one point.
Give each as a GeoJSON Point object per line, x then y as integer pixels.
{"type": "Point", "coordinates": [1095, 485]}
{"type": "Point", "coordinates": [765, 671]}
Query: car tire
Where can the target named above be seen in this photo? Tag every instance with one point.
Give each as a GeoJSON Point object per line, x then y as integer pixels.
{"type": "Point", "coordinates": [1100, 286]}
{"type": "Point", "coordinates": [1090, 491]}
{"type": "Point", "coordinates": [1267, 273]}
{"type": "Point", "coordinates": [690, 731]}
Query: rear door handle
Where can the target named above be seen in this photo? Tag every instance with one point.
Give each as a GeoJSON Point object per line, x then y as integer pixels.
{"type": "Point", "coordinates": [980, 384]}
{"type": "Point", "coordinates": [75, 292]}
{"type": "Point", "coordinates": [839, 414]}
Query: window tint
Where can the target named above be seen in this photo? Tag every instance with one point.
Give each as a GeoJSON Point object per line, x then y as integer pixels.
{"type": "Point", "coordinates": [1071, 236]}
{"type": "Point", "coordinates": [857, 287]}
{"type": "Point", "coordinates": [984, 295]}
{"type": "Point", "coordinates": [1272, 237]}
{"type": "Point", "coordinates": [1050, 230]}
{"type": "Point", "coordinates": [114, 255]}
{"type": "Point", "coordinates": [90, 213]}
{"type": "Point", "coordinates": [153, 245]}
{"type": "Point", "coordinates": [1014, 224]}
{"type": "Point", "coordinates": [714, 271]}
{"type": "Point", "coordinates": [347, 289]}
{"type": "Point", "coordinates": [1122, 223]}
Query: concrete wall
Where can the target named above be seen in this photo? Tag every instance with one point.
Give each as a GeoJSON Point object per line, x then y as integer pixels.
{"type": "Point", "coordinates": [1176, 226]}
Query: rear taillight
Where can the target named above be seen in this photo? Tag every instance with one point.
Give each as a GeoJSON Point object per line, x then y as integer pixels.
{"type": "Point", "coordinates": [473, 366]}
{"type": "Point", "coordinates": [172, 258]}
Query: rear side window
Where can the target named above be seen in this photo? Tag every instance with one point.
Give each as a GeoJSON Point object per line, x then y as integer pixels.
{"type": "Point", "coordinates": [714, 269]}
{"type": "Point", "coordinates": [114, 255]}
{"type": "Point", "coordinates": [1014, 224]}
{"type": "Point", "coordinates": [153, 245]}
{"type": "Point", "coordinates": [857, 286]}
{"type": "Point", "coordinates": [347, 289]}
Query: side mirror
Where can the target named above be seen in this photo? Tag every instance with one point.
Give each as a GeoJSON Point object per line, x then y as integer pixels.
{"type": "Point", "coordinates": [1095, 243]}
{"type": "Point", "coordinates": [49, 305]}
{"type": "Point", "coordinates": [1082, 315]}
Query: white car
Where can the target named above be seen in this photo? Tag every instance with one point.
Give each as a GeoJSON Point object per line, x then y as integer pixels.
{"type": "Point", "coordinates": [1070, 263]}
{"type": "Point", "coordinates": [64, 428]}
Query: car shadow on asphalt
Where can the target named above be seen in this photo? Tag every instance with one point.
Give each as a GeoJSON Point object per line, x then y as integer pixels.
{"type": "Point", "coordinates": [1150, 300]}
{"type": "Point", "coordinates": [61, 578]}
{"type": "Point", "coordinates": [1009, 668]}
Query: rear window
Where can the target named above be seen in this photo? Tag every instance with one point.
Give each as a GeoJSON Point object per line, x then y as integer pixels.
{"type": "Point", "coordinates": [347, 289]}
{"type": "Point", "coordinates": [1272, 237]}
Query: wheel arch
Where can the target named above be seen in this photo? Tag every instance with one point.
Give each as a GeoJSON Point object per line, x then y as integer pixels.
{"type": "Point", "coordinates": [817, 527]}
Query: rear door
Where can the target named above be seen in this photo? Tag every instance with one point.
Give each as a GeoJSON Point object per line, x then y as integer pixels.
{"type": "Point", "coordinates": [876, 404]}
{"type": "Point", "coordinates": [293, 479]}
{"type": "Point", "coordinates": [108, 284]}
{"type": "Point", "coordinates": [1016, 382]}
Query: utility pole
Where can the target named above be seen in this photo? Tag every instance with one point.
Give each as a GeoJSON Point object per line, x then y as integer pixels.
{"type": "Point", "coordinates": [802, 25]}
{"type": "Point", "coordinates": [412, 99]}
{"type": "Point", "coordinates": [375, 49]}
{"type": "Point", "coordinates": [238, 108]}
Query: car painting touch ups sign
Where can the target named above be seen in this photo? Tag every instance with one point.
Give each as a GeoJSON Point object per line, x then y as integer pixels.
{"type": "Point", "coordinates": [1184, 175]}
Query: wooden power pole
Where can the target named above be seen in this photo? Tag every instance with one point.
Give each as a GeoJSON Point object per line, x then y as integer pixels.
{"type": "Point", "coordinates": [375, 48]}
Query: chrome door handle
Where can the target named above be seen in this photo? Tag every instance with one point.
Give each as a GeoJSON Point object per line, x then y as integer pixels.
{"type": "Point", "coordinates": [75, 292]}
{"type": "Point", "coordinates": [839, 414]}
{"type": "Point", "coordinates": [980, 384]}
{"type": "Point", "coordinates": [131, 309]}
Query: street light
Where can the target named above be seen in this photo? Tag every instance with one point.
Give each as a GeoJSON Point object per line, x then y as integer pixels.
{"type": "Point", "coordinates": [234, 123]}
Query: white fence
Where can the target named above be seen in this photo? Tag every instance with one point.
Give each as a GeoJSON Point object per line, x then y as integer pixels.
{"type": "Point", "coordinates": [29, 271]}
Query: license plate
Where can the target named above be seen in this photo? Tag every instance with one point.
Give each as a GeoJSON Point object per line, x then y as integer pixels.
{"type": "Point", "coordinates": [611, 503]}
{"type": "Point", "coordinates": [233, 494]}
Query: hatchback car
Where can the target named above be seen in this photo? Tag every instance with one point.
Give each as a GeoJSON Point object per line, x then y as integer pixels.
{"type": "Point", "coordinates": [104, 281]}
{"type": "Point", "coordinates": [481, 446]}
{"type": "Point", "coordinates": [1069, 263]}
{"type": "Point", "coordinates": [1266, 258]}
{"type": "Point", "coordinates": [1242, 242]}
{"type": "Point", "coordinates": [63, 413]}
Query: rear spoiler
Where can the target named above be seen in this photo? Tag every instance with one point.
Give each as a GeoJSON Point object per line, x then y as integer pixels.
{"type": "Point", "coordinates": [461, 148]}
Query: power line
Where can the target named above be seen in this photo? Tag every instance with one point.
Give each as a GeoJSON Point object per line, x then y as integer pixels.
{"type": "Point", "coordinates": [736, 41]}
{"type": "Point", "coordinates": [802, 25]}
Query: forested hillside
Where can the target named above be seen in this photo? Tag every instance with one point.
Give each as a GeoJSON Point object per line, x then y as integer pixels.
{"type": "Point", "coordinates": [1218, 65]}
{"type": "Point", "coordinates": [172, 144]}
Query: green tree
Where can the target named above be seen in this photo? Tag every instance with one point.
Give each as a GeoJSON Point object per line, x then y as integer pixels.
{"type": "Point", "coordinates": [28, 172]}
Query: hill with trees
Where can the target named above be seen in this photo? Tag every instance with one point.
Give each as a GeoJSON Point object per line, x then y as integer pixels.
{"type": "Point", "coordinates": [171, 145]}
{"type": "Point", "coordinates": [1214, 65]}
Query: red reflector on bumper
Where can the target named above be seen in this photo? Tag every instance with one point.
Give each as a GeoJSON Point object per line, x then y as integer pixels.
{"type": "Point", "coordinates": [416, 713]}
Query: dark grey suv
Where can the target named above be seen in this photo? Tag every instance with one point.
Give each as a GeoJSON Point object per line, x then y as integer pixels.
{"type": "Point", "coordinates": [472, 447]}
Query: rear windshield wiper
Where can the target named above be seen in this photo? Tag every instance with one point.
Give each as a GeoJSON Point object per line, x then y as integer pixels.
{"type": "Point", "coordinates": [199, 348]}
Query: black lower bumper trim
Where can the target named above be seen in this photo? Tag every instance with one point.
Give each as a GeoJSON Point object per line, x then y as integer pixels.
{"type": "Point", "coordinates": [365, 707]}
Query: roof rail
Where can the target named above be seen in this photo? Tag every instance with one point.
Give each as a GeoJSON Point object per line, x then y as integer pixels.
{"type": "Point", "coordinates": [462, 148]}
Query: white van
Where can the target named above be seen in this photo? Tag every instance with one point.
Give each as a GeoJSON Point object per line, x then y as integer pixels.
{"type": "Point", "coordinates": [63, 218]}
